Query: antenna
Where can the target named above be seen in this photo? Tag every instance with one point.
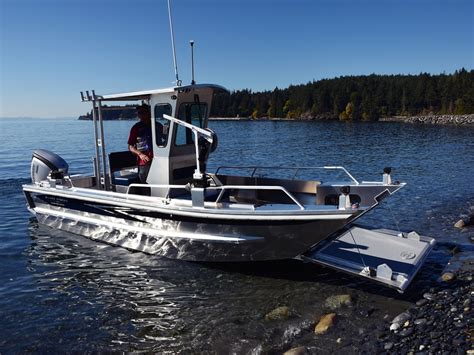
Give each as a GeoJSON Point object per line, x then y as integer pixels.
{"type": "Point", "coordinates": [191, 42]}
{"type": "Point", "coordinates": [178, 82]}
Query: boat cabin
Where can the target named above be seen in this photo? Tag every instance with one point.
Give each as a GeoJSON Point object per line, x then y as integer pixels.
{"type": "Point", "coordinates": [174, 145]}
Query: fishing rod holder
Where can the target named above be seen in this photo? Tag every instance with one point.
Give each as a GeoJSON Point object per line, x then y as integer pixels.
{"type": "Point", "coordinates": [191, 43]}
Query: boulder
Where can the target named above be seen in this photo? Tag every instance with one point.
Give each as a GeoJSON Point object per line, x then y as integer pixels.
{"type": "Point", "coordinates": [325, 322]}
{"type": "Point", "coordinates": [401, 318]}
{"type": "Point", "coordinates": [394, 327]}
{"type": "Point", "coordinates": [337, 301]}
{"type": "Point", "coordinates": [278, 313]}
{"type": "Point", "coordinates": [466, 220]}
{"type": "Point", "coordinates": [447, 276]}
{"type": "Point", "coordinates": [460, 224]}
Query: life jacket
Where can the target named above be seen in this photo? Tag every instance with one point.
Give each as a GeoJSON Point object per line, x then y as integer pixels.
{"type": "Point", "coordinates": [144, 139]}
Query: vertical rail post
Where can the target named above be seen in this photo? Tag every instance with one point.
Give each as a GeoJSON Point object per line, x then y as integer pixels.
{"type": "Point", "coordinates": [96, 144]}
{"type": "Point", "coordinates": [104, 161]}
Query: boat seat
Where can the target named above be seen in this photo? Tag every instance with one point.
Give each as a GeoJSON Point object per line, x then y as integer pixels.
{"type": "Point", "coordinates": [121, 162]}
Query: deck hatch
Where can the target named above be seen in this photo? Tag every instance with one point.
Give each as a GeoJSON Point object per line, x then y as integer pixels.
{"type": "Point", "coordinates": [382, 255]}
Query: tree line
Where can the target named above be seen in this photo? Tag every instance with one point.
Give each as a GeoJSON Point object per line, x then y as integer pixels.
{"type": "Point", "coordinates": [111, 113]}
{"type": "Point", "coordinates": [367, 97]}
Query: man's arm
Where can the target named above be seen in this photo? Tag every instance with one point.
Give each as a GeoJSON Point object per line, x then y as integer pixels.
{"type": "Point", "coordinates": [139, 154]}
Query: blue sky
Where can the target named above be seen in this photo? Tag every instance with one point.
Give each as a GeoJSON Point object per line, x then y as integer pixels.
{"type": "Point", "coordinates": [52, 49]}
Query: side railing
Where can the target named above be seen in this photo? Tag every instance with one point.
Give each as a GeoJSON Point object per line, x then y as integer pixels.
{"type": "Point", "coordinates": [222, 189]}
{"type": "Point", "coordinates": [296, 170]}
{"type": "Point", "coordinates": [256, 188]}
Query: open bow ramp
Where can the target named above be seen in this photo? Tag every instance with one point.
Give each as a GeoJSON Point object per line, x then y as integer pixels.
{"type": "Point", "coordinates": [382, 255]}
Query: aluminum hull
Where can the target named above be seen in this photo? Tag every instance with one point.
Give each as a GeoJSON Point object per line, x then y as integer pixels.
{"type": "Point", "coordinates": [183, 237]}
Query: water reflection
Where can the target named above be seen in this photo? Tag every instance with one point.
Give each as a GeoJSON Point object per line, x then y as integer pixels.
{"type": "Point", "coordinates": [133, 306]}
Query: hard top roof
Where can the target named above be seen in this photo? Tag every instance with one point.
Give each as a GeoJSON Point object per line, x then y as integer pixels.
{"type": "Point", "coordinates": [145, 95]}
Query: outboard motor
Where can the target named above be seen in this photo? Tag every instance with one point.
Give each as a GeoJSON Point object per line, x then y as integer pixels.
{"type": "Point", "coordinates": [44, 163]}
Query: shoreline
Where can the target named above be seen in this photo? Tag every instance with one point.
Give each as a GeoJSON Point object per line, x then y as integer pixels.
{"type": "Point", "coordinates": [433, 119]}
{"type": "Point", "coordinates": [422, 119]}
{"type": "Point", "coordinates": [456, 120]}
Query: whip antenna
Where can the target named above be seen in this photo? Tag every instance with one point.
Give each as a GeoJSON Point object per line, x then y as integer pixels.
{"type": "Point", "coordinates": [178, 82]}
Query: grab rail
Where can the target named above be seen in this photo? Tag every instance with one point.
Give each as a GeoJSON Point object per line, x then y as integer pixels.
{"type": "Point", "coordinates": [243, 187]}
{"type": "Point", "coordinates": [296, 168]}
{"type": "Point", "coordinates": [223, 188]}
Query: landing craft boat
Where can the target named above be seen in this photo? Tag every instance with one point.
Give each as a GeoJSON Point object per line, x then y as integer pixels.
{"type": "Point", "coordinates": [232, 214]}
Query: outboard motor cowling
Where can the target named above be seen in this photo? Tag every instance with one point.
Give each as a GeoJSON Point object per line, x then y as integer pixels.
{"type": "Point", "coordinates": [44, 163]}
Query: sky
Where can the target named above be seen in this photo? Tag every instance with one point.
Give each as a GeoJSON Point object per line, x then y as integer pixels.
{"type": "Point", "coordinates": [50, 50]}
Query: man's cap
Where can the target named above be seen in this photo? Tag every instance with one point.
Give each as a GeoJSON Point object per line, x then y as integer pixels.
{"type": "Point", "coordinates": [143, 108]}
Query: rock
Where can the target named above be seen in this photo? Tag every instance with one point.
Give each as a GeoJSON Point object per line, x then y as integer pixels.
{"type": "Point", "coordinates": [422, 302]}
{"type": "Point", "coordinates": [460, 224]}
{"type": "Point", "coordinates": [401, 318]}
{"type": "Point", "coordinates": [466, 220]}
{"type": "Point", "coordinates": [366, 313]}
{"type": "Point", "coordinates": [406, 332]}
{"type": "Point", "coordinates": [300, 350]}
{"type": "Point", "coordinates": [291, 333]}
{"type": "Point", "coordinates": [455, 250]}
{"type": "Point", "coordinates": [447, 276]}
{"type": "Point", "coordinates": [325, 323]}
{"type": "Point", "coordinates": [337, 301]}
{"type": "Point", "coordinates": [435, 335]}
{"type": "Point", "coordinates": [420, 321]}
{"type": "Point", "coordinates": [278, 313]}
{"type": "Point", "coordinates": [429, 296]}
{"type": "Point", "coordinates": [458, 342]}
{"type": "Point", "coordinates": [388, 346]}
{"type": "Point", "coordinates": [422, 347]}
{"type": "Point", "coordinates": [394, 327]}
{"type": "Point", "coordinates": [466, 303]}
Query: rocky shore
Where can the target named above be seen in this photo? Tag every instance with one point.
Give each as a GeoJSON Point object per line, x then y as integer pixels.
{"type": "Point", "coordinates": [440, 322]}
{"type": "Point", "coordinates": [437, 319]}
{"type": "Point", "coordinates": [433, 119]}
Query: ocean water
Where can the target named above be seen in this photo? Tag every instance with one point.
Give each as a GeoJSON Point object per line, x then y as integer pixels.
{"type": "Point", "coordinates": [62, 292]}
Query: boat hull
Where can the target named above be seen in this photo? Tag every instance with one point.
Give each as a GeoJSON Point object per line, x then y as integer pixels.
{"type": "Point", "coordinates": [179, 237]}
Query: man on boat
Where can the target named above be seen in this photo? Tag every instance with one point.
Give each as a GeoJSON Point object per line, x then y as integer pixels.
{"type": "Point", "coordinates": [140, 141]}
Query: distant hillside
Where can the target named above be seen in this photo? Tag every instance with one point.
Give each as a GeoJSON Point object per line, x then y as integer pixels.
{"type": "Point", "coordinates": [356, 98]}
{"type": "Point", "coordinates": [110, 113]}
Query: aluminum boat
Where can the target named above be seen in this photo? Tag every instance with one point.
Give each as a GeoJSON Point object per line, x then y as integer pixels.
{"type": "Point", "coordinates": [231, 214]}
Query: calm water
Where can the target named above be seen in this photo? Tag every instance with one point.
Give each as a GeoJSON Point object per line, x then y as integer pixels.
{"type": "Point", "coordinates": [61, 292]}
